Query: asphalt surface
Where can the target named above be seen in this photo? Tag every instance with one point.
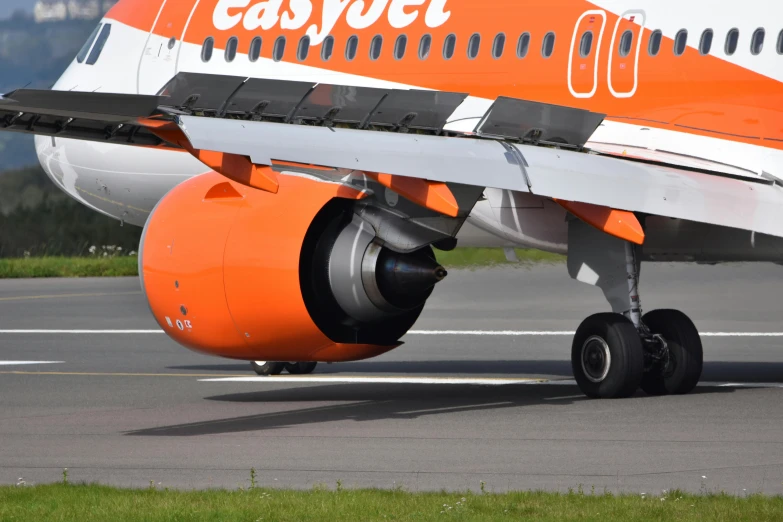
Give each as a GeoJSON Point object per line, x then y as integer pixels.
{"type": "Point", "coordinates": [130, 408]}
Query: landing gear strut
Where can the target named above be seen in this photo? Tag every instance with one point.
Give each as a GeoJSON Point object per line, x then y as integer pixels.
{"type": "Point", "coordinates": [614, 354]}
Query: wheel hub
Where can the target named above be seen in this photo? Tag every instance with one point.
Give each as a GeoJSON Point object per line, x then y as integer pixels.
{"type": "Point", "coordinates": [596, 359]}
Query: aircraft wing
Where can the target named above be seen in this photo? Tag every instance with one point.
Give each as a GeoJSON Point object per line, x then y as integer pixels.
{"type": "Point", "coordinates": [519, 145]}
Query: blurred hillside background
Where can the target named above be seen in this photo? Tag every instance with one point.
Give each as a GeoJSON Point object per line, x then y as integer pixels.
{"type": "Point", "coordinates": [38, 40]}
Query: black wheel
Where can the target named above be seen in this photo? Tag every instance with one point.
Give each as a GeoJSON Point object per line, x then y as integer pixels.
{"type": "Point", "coordinates": [268, 367]}
{"type": "Point", "coordinates": [607, 357]}
{"type": "Point", "coordinates": [301, 368]}
{"type": "Point", "coordinates": [681, 370]}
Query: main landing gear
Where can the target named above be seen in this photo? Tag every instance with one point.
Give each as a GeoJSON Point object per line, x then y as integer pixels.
{"type": "Point", "coordinates": [611, 358]}
{"type": "Point", "coordinates": [614, 354]}
{"type": "Point", "coordinates": [276, 368]}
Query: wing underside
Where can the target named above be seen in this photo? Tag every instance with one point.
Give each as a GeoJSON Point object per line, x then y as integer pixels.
{"type": "Point", "coordinates": [519, 145]}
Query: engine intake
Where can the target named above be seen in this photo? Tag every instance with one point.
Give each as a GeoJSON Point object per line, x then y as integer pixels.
{"type": "Point", "coordinates": [293, 276]}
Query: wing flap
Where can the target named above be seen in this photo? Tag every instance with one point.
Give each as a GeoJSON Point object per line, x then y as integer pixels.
{"type": "Point", "coordinates": [113, 118]}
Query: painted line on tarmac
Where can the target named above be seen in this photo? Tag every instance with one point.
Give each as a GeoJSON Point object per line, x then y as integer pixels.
{"type": "Point", "coordinates": [490, 333]}
{"type": "Point", "coordinates": [61, 296]}
{"type": "Point", "coordinates": [481, 381]}
{"type": "Point", "coordinates": [353, 379]}
{"type": "Point", "coordinates": [23, 363]}
{"type": "Point", "coordinates": [533, 333]}
{"type": "Point", "coordinates": [476, 381]}
{"type": "Point", "coordinates": [117, 374]}
{"type": "Point", "coordinates": [87, 332]}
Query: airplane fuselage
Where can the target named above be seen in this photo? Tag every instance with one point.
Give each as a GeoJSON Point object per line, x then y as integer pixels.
{"type": "Point", "coordinates": [693, 81]}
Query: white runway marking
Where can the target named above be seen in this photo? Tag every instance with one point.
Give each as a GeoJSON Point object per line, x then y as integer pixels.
{"type": "Point", "coordinates": [485, 381]}
{"type": "Point", "coordinates": [490, 333]}
{"type": "Point", "coordinates": [474, 381]}
{"type": "Point", "coordinates": [81, 331]}
{"type": "Point", "coordinates": [518, 333]}
{"type": "Point", "coordinates": [554, 333]}
{"type": "Point", "coordinates": [22, 363]}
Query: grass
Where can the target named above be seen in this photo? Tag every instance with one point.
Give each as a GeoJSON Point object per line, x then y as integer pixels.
{"type": "Point", "coordinates": [483, 257]}
{"type": "Point", "coordinates": [86, 503]}
{"type": "Point", "coordinates": [68, 267]}
{"type": "Point", "coordinates": [127, 265]}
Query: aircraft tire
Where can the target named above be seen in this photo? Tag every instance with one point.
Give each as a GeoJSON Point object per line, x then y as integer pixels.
{"type": "Point", "coordinates": [267, 368]}
{"type": "Point", "coordinates": [680, 374]}
{"type": "Point", "coordinates": [301, 368]}
{"type": "Point", "coordinates": [607, 357]}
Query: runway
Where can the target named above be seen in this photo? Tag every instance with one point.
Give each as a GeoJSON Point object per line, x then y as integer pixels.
{"type": "Point", "coordinates": [481, 391]}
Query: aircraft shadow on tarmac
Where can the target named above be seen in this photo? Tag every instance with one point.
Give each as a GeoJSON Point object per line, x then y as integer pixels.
{"type": "Point", "coordinates": [717, 371]}
{"type": "Point", "coordinates": [378, 402]}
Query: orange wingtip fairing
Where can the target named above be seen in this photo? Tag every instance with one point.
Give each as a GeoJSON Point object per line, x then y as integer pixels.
{"type": "Point", "coordinates": [430, 194]}
{"type": "Point", "coordinates": [617, 223]}
{"type": "Point", "coordinates": [240, 169]}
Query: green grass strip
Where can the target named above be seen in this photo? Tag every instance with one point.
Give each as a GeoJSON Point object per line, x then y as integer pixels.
{"type": "Point", "coordinates": [68, 267]}
{"type": "Point", "coordinates": [127, 265]}
{"type": "Point", "coordinates": [86, 503]}
{"type": "Point", "coordinates": [483, 257]}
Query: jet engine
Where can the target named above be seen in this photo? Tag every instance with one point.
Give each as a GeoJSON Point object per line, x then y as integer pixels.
{"type": "Point", "coordinates": [237, 272]}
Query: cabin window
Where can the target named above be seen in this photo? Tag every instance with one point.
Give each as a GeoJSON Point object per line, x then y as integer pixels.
{"type": "Point", "coordinates": [498, 46]}
{"type": "Point", "coordinates": [680, 42]}
{"type": "Point", "coordinates": [626, 42]}
{"type": "Point", "coordinates": [207, 48]}
{"type": "Point", "coordinates": [255, 49]}
{"type": "Point", "coordinates": [732, 39]}
{"type": "Point", "coordinates": [400, 46]}
{"type": "Point", "coordinates": [655, 43]}
{"type": "Point", "coordinates": [327, 48]}
{"type": "Point", "coordinates": [88, 44]}
{"type": "Point", "coordinates": [474, 46]}
{"type": "Point", "coordinates": [449, 46]}
{"type": "Point", "coordinates": [548, 47]}
{"type": "Point", "coordinates": [523, 45]}
{"type": "Point", "coordinates": [586, 44]}
{"type": "Point", "coordinates": [304, 48]}
{"type": "Point", "coordinates": [425, 45]}
{"type": "Point", "coordinates": [376, 46]}
{"type": "Point", "coordinates": [705, 44]}
{"type": "Point", "coordinates": [780, 43]}
{"type": "Point", "coordinates": [231, 49]}
{"type": "Point", "coordinates": [351, 46]}
{"type": "Point", "coordinates": [172, 43]}
{"type": "Point", "coordinates": [99, 44]}
{"type": "Point", "coordinates": [756, 43]}
{"type": "Point", "coordinates": [279, 50]}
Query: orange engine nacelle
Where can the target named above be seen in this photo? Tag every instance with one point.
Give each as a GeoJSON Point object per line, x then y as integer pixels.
{"type": "Point", "coordinates": [238, 272]}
